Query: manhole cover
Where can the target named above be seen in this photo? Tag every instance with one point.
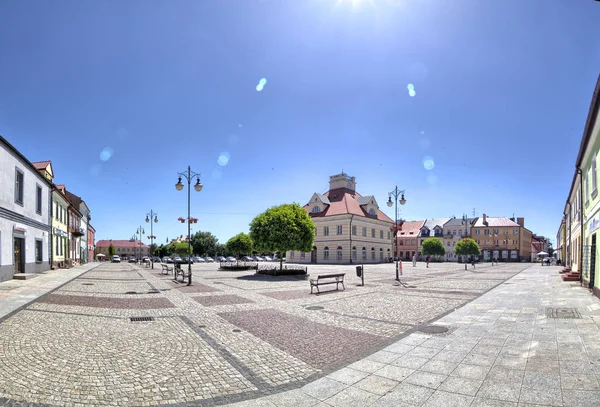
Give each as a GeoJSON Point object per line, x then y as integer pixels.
{"type": "Point", "coordinates": [434, 329]}
{"type": "Point", "coordinates": [315, 307]}
{"type": "Point", "coordinates": [237, 330]}
{"type": "Point", "coordinates": [562, 313]}
{"type": "Point", "coordinates": [87, 283]}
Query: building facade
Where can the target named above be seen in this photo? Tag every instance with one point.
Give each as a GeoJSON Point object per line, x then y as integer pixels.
{"type": "Point", "coordinates": [25, 221]}
{"type": "Point", "coordinates": [502, 238]}
{"type": "Point", "coordinates": [91, 242]}
{"type": "Point", "coordinates": [560, 242]}
{"type": "Point", "coordinates": [454, 230]}
{"type": "Point", "coordinates": [433, 227]}
{"type": "Point", "coordinates": [350, 228]}
{"type": "Point", "coordinates": [124, 248]}
{"type": "Point", "coordinates": [85, 219]}
{"type": "Point", "coordinates": [407, 239]}
{"type": "Point", "coordinates": [60, 231]}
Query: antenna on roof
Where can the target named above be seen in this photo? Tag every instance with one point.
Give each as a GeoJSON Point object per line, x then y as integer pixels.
{"type": "Point", "coordinates": [473, 212]}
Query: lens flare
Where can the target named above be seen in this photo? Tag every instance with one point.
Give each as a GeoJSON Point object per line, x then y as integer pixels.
{"type": "Point", "coordinates": [428, 163]}
{"type": "Point", "coordinates": [106, 154]}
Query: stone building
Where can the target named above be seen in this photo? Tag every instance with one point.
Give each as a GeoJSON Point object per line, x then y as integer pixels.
{"type": "Point", "coordinates": [350, 228]}
{"type": "Point", "coordinates": [124, 248]}
{"type": "Point", "coordinates": [407, 239]}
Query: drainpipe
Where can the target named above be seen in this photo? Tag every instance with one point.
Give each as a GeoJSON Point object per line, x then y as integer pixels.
{"type": "Point", "coordinates": [350, 232]}
{"type": "Point", "coordinates": [581, 225]}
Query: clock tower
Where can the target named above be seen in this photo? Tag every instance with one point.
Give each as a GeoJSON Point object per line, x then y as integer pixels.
{"type": "Point", "coordinates": [342, 181]}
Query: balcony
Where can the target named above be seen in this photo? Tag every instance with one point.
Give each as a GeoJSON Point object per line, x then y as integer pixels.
{"type": "Point", "coordinates": [77, 231]}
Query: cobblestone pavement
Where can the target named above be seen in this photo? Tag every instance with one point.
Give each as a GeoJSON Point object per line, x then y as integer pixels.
{"type": "Point", "coordinates": [234, 336]}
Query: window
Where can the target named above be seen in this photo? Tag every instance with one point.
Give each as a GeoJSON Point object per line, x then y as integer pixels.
{"type": "Point", "coordinates": [339, 253]}
{"type": "Point", "coordinates": [302, 255]}
{"type": "Point", "coordinates": [316, 209]}
{"type": "Point", "coordinates": [389, 235]}
{"type": "Point", "coordinates": [372, 232]}
{"type": "Point", "coordinates": [38, 199]}
{"type": "Point", "coordinates": [354, 230]}
{"type": "Point", "coordinates": [454, 232]}
{"type": "Point", "coordinates": [372, 253]}
{"type": "Point", "coordinates": [353, 252]}
{"type": "Point", "coordinates": [339, 229]}
{"type": "Point", "coordinates": [381, 234]}
{"type": "Point", "coordinates": [477, 231]}
{"type": "Point", "coordinates": [364, 232]}
{"type": "Point", "coordinates": [413, 242]}
{"type": "Point", "coordinates": [400, 242]}
{"type": "Point", "coordinates": [372, 211]}
{"type": "Point", "coordinates": [326, 253]}
{"type": "Point", "coordinates": [381, 254]}
{"type": "Point", "coordinates": [594, 179]}
{"type": "Point", "coordinates": [292, 254]}
{"type": "Point", "coordinates": [326, 231]}
{"type": "Point", "coordinates": [62, 246]}
{"type": "Point", "coordinates": [19, 179]}
{"type": "Point", "coordinates": [515, 231]}
{"type": "Point", "coordinates": [496, 231]}
{"type": "Point", "coordinates": [586, 187]}
{"type": "Point", "coordinates": [39, 245]}
{"type": "Point", "coordinates": [364, 253]}
{"type": "Point", "coordinates": [57, 250]}
{"type": "Point", "coordinates": [486, 232]}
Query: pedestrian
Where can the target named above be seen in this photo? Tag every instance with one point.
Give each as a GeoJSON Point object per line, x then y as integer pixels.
{"type": "Point", "coordinates": [414, 260]}
{"type": "Point", "coordinates": [427, 259]}
{"type": "Point", "coordinates": [473, 262]}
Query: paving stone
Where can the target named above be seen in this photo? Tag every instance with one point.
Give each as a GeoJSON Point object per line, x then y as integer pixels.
{"type": "Point", "coordinates": [293, 398]}
{"type": "Point", "coordinates": [426, 379]}
{"type": "Point", "coordinates": [581, 398]}
{"type": "Point", "coordinates": [461, 385]}
{"type": "Point", "coordinates": [323, 388]}
{"type": "Point", "coordinates": [352, 397]}
{"type": "Point", "coordinates": [468, 371]}
{"type": "Point", "coordinates": [545, 396]}
{"type": "Point", "coordinates": [499, 390]}
{"type": "Point", "coordinates": [394, 372]}
{"type": "Point", "coordinates": [384, 356]}
{"type": "Point", "coordinates": [579, 382]}
{"type": "Point", "coordinates": [377, 384]}
{"type": "Point", "coordinates": [410, 362]}
{"type": "Point", "coordinates": [439, 366]}
{"type": "Point", "coordinates": [347, 375]}
{"type": "Point", "coordinates": [445, 399]}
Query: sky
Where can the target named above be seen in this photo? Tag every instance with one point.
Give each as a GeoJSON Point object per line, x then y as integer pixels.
{"type": "Point", "coordinates": [473, 106]}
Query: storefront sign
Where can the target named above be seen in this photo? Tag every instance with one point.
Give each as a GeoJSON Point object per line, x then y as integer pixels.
{"type": "Point", "coordinates": [594, 223]}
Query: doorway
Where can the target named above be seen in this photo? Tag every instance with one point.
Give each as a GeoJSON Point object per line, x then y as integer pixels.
{"type": "Point", "coordinates": [593, 261]}
{"type": "Point", "coordinates": [313, 255]}
{"type": "Point", "coordinates": [19, 254]}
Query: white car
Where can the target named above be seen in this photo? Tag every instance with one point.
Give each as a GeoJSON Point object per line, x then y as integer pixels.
{"type": "Point", "coordinates": [116, 259]}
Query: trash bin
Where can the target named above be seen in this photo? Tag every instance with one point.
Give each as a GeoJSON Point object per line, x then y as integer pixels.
{"type": "Point", "coordinates": [359, 271]}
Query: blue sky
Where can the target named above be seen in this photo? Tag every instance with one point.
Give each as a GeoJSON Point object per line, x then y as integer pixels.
{"type": "Point", "coordinates": [501, 94]}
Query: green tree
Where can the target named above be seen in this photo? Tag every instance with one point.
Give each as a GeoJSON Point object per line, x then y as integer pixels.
{"type": "Point", "coordinates": [204, 243]}
{"type": "Point", "coordinates": [178, 248]}
{"type": "Point", "coordinates": [152, 248]}
{"type": "Point", "coordinates": [467, 247]}
{"type": "Point", "coordinates": [283, 228]}
{"type": "Point", "coordinates": [433, 247]}
{"type": "Point", "coordinates": [239, 244]}
{"type": "Point", "coordinates": [111, 251]}
{"type": "Point", "coordinates": [220, 250]}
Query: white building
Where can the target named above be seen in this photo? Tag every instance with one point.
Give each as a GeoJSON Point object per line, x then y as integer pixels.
{"type": "Point", "coordinates": [454, 230]}
{"type": "Point", "coordinates": [25, 229]}
{"type": "Point", "coordinates": [350, 228]}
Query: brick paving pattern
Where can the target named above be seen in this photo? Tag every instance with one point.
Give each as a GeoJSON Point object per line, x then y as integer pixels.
{"type": "Point", "coordinates": [235, 336]}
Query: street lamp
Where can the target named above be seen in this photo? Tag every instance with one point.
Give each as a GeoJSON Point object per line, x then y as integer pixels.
{"type": "Point", "coordinates": [140, 231]}
{"type": "Point", "coordinates": [396, 193]}
{"type": "Point", "coordinates": [198, 187]}
{"type": "Point", "coordinates": [149, 217]}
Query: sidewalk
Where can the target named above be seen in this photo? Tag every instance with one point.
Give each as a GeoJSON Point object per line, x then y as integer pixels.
{"type": "Point", "coordinates": [532, 341]}
{"type": "Point", "coordinates": [16, 293]}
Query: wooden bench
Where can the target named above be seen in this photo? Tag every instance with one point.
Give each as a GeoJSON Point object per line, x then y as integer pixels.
{"type": "Point", "coordinates": [166, 269]}
{"type": "Point", "coordinates": [181, 270]}
{"type": "Point", "coordinates": [324, 279]}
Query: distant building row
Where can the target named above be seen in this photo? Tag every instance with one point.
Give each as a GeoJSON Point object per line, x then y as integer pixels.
{"type": "Point", "coordinates": [42, 225]}
{"type": "Point", "coordinates": [577, 233]}
{"type": "Point", "coordinates": [350, 228]}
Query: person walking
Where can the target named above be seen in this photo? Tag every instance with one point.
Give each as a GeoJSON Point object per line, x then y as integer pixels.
{"type": "Point", "coordinates": [427, 261]}
{"type": "Point", "coordinates": [414, 260]}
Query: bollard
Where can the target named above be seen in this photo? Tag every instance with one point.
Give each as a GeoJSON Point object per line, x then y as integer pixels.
{"type": "Point", "coordinates": [360, 273]}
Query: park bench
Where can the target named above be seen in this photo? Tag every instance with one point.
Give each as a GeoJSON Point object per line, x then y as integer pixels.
{"type": "Point", "coordinates": [181, 270]}
{"type": "Point", "coordinates": [166, 269]}
{"type": "Point", "coordinates": [324, 279]}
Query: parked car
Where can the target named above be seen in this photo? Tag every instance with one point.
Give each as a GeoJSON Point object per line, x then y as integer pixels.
{"type": "Point", "coordinates": [115, 259]}
{"type": "Point", "coordinates": [231, 258]}
{"type": "Point", "coordinates": [221, 258]}
{"type": "Point", "coordinates": [196, 259]}
{"type": "Point", "coordinates": [132, 259]}
{"type": "Point", "coordinates": [167, 260]}
{"type": "Point", "coordinates": [156, 259]}
{"type": "Point", "coordinates": [258, 258]}
{"type": "Point", "coordinates": [248, 258]}
{"type": "Point", "coordinates": [267, 258]}
{"type": "Point", "coordinates": [177, 259]}
{"type": "Point", "coordinates": [209, 259]}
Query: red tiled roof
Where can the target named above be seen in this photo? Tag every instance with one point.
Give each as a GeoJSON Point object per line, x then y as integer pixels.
{"type": "Point", "coordinates": [41, 165]}
{"type": "Point", "coordinates": [407, 227]}
{"type": "Point", "coordinates": [495, 222]}
{"type": "Point", "coordinates": [120, 243]}
{"type": "Point", "coordinates": [345, 201]}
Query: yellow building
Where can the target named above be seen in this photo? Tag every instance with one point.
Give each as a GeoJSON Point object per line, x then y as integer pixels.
{"type": "Point", "coordinates": [502, 238]}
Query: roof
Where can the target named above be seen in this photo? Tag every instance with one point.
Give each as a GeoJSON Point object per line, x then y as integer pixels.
{"type": "Point", "coordinates": [344, 201]}
{"type": "Point", "coordinates": [120, 243]}
{"type": "Point", "coordinates": [458, 222]}
{"type": "Point", "coordinates": [24, 159]}
{"type": "Point", "coordinates": [494, 222]}
{"type": "Point", "coordinates": [433, 222]}
{"type": "Point", "coordinates": [412, 228]}
{"type": "Point", "coordinates": [41, 165]}
{"type": "Point", "coordinates": [323, 199]}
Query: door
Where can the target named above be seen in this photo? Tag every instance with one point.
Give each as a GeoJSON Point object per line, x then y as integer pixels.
{"type": "Point", "coordinates": [313, 255]}
{"type": "Point", "coordinates": [593, 261]}
{"type": "Point", "coordinates": [19, 254]}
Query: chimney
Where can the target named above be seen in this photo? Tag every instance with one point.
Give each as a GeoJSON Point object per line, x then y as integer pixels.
{"type": "Point", "coordinates": [521, 222]}
{"type": "Point", "coordinates": [484, 219]}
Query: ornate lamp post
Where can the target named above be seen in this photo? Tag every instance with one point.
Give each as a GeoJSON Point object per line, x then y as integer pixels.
{"type": "Point", "coordinates": [198, 187]}
{"type": "Point", "coordinates": [140, 232]}
{"type": "Point", "coordinates": [152, 216]}
{"type": "Point", "coordinates": [396, 193]}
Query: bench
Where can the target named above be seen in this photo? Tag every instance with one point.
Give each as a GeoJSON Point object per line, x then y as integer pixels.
{"type": "Point", "coordinates": [166, 269]}
{"type": "Point", "coordinates": [183, 271]}
{"type": "Point", "coordinates": [324, 279]}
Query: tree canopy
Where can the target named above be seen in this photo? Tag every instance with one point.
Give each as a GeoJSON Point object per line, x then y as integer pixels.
{"type": "Point", "coordinates": [433, 247]}
{"type": "Point", "coordinates": [111, 250]}
{"type": "Point", "coordinates": [204, 243]}
{"type": "Point", "coordinates": [283, 228]}
{"type": "Point", "coordinates": [178, 248]}
{"type": "Point", "coordinates": [467, 247]}
{"type": "Point", "coordinates": [240, 244]}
